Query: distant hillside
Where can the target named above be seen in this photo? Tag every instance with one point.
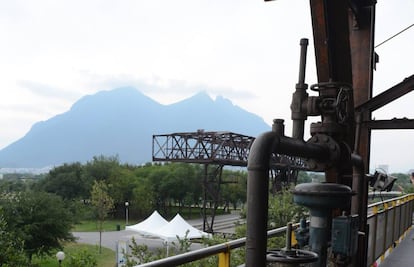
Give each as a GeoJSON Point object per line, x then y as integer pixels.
{"type": "Point", "coordinates": [121, 122]}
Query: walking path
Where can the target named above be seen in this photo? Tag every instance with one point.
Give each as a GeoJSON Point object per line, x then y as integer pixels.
{"type": "Point", "coordinates": [401, 255]}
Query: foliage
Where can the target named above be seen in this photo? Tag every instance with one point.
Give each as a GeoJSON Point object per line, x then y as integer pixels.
{"type": "Point", "coordinates": [81, 258]}
{"type": "Point", "coordinates": [148, 187]}
{"type": "Point", "coordinates": [303, 177]}
{"type": "Point", "coordinates": [403, 183]}
{"type": "Point", "coordinates": [66, 181]}
{"type": "Point", "coordinates": [139, 254]}
{"type": "Point", "coordinates": [41, 220]}
{"type": "Point", "coordinates": [84, 254]}
{"type": "Point", "coordinates": [234, 192]}
{"type": "Point", "coordinates": [102, 203]}
{"type": "Point", "coordinates": [12, 251]}
{"type": "Point", "coordinates": [282, 209]}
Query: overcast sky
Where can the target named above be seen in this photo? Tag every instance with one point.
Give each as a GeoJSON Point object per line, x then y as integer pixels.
{"type": "Point", "coordinates": [54, 52]}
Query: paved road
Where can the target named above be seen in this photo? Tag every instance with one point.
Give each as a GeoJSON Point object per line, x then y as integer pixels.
{"type": "Point", "coordinates": [110, 239]}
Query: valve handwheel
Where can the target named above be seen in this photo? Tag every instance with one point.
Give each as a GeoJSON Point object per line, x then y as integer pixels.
{"type": "Point", "coordinates": [293, 256]}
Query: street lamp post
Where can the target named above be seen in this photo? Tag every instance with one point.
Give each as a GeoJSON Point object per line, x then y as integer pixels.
{"type": "Point", "coordinates": [126, 212]}
{"type": "Point", "coordinates": [60, 256]}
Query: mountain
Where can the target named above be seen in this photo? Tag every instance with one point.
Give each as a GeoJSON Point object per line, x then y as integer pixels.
{"type": "Point", "coordinates": [121, 122]}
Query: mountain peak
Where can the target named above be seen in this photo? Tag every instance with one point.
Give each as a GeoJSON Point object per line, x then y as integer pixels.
{"type": "Point", "coordinates": [121, 122]}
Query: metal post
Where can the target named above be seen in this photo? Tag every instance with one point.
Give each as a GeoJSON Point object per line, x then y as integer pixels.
{"type": "Point", "coordinates": [126, 212]}
{"type": "Point", "coordinates": [224, 259]}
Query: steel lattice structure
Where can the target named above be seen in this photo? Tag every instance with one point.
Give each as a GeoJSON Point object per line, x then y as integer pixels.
{"type": "Point", "coordinates": [226, 148]}
{"type": "Point", "coordinates": [219, 149]}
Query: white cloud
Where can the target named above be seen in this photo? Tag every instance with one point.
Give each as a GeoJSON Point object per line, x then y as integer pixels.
{"type": "Point", "coordinates": [247, 51]}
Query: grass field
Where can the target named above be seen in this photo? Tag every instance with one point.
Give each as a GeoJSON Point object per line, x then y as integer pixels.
{"type": "Point", "coordinates": [105, 259]}
{"type": "Point", "coordinates": [112, 224]}
{"type": "Point", "coordinates": [92, 226]}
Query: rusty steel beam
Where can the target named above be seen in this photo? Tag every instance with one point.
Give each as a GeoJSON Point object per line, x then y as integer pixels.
{"type": "Point", "coordinates": [393, 124]}
{"type": "Point", "coordinates": [224, 148]}
{"type": "Point", "coordinates": [331, 40]}
{"type": "Point", "coordinates": [395, 92]}
{"type": "Point", "coordinates": [361, 36]}
{"type": "Point", "coordinates": [215, 150]}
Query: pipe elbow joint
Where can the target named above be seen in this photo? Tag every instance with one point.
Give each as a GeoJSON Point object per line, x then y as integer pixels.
{"type": "Point", "coordinates": [261, 151]}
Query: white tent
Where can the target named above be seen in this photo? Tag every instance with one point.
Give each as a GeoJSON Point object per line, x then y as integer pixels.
{"type": "Point", "coordinates": [178, 227]}
{"type": "Point", "coordinates": [149, 225]}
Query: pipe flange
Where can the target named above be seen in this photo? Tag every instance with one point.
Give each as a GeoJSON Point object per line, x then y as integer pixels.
{"type": "Point", "coordinates": [334, 151]}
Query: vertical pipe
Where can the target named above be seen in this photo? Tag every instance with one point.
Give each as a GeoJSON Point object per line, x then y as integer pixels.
{"type": "Point", "coordinates": [258, 187]}
{"type": "Point", "coordinates": [299, 114]}
{"type": "Point", "coordinates": [224, 259]}
{"type": "Point", "coordinates": [278, 127]}
{"type": "Point", "coordinates": [289, 236]}
{"type": "Point", "coordinates": [302, 63]}
{"type": "Point", "coordinates": [257, 198]}
{"type": "Point", "coordinates": [319, 235]}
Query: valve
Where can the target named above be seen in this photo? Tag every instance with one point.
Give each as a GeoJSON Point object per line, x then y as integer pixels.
{"type": "Point", "coordinates": [289, 256]}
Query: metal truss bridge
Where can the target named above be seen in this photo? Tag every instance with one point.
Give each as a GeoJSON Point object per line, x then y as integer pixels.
{"type": "Point", "coordinates": [215, 150]}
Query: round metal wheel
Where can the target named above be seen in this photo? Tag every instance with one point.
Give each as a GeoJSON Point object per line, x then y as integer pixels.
{"type": "Point", "coordinates": [293, 256]}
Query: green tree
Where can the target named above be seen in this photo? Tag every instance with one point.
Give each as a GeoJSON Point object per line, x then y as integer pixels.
{"type": "Point", "coordinates": [12, 251]}
{"type": "Point", "coordinates": [66, 181]}
{"type": "Point", "coordinates": [41, 220]}
{"type": "Point", "coordinates": [102, 203]}
{"type": "Point", "coordinates": [142, 197]}
{"type": "Point", "coordinates": [234, 191]}
{"type": "Point", "coordinates": [102, 168]}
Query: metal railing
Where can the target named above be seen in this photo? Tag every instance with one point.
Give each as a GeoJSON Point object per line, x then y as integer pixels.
{"type": "Point", "coordinates": [221, 250]}
{"type": "Point", "coordinates": [388, 222]}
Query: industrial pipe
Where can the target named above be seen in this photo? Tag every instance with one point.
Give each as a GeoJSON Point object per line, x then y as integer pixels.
{"type": "Point", "coordinates": [299, 113]}
{"type": "Point", "coordinates": [258, 186]}
{"type": "Point", "coordinates": [358, 180]}
{"type": "Point", "coordinates": [358, 206]}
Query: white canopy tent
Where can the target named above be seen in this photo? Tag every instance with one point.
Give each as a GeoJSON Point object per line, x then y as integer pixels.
{"type": "Point", "coordinates": [156, 226]}
{"type": "Point", "coordinates": [149, 225]}
{"type": "Point", "coordinates": [179, 227]}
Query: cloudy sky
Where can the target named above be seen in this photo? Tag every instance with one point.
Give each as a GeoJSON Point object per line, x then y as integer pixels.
{"type": "Point", "coordinates": [54, 52]}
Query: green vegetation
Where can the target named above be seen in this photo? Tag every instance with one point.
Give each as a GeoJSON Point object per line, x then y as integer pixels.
{"type": "Point", "coordinates": [39, 219]}
{"type": "Point", "coordinates": [281, 211]}
{"type": "Point", "coordinates": [38, 213]}
{"type": "Point", "coordinates": [79, 255]}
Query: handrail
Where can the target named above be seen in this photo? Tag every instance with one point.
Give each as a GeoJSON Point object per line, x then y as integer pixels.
{"type": "Point", "coordinates": [389, 222]}
{"type": "Point", "coordinates": [208, 251]}
{"type": "Point", "coordinates": [401, 207]}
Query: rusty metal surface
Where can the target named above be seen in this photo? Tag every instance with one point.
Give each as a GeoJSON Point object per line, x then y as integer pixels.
{"type": "Point", "coordinates": [395, 92]}
{"type": "Point", "coordinates": [215, 150]}
{"type": "Point", "coordinates": [393, 124]}
{"type": "Point", "coordinates": [225, 148]}
{"type": "Point", "coordinates": [331, 40]}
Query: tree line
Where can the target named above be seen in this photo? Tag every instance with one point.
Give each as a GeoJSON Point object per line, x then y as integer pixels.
{"type": "Point", "coordinates": [37, 212]}
{"type": "Point", "coordinates": [147, 187]}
